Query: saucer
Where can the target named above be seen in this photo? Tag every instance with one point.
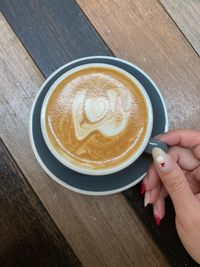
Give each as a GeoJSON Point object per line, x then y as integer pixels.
{"type": "Point", "coordinates": [87, 184]}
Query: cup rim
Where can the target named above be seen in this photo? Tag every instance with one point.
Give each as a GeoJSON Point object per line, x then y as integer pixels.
{"type": "Point", "coordinates": [81, 169]}
{"type": "Point", "coordinates": [33, 110]}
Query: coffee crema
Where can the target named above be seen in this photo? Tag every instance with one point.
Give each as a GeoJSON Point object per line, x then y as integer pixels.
{"type": "Point", "coordinates": [96, 118]}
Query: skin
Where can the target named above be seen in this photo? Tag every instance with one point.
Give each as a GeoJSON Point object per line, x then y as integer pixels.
{"type": "Point", "coordinates": [182, 183]}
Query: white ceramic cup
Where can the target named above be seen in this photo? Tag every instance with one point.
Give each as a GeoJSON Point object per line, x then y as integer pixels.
{"type": "Point", "coordinates": [147, 144]}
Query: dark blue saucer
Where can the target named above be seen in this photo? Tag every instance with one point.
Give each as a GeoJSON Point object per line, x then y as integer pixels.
{"type": "Point", "coordinates": [96, 185]}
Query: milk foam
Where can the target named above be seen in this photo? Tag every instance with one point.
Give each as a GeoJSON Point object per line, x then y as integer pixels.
{"type": "Point", "coordinates": [105, 114]}
{"type": "Point", "coordinates": [96, 118]}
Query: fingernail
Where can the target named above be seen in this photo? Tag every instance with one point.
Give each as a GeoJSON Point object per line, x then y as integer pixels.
{"type": "Point", "coordinates": [157, 219]}
{"type": "Point", "coordinates": [146, 198]}
{"type": "Point", "coordinates": [162, 160]}
{"type": "Point", "coordinates": [143, 188]}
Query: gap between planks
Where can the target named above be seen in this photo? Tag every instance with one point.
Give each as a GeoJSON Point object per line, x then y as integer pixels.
{"type": "Point", "coordinates": [103, 231]}
{"type": "Point", "coordinates": [143, 33]}
{"type": "Point", "coordinates": [186, 15]}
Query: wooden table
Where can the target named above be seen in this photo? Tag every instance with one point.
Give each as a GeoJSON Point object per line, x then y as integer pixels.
{"type": "Point", "coordinates": [42, 223]}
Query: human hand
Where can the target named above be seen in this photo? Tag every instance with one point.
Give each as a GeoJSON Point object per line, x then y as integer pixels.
{"type": "Point", "coordinates": [177, 174]}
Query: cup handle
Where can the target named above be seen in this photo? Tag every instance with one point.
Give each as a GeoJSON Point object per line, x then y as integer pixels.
{"type": "Point", "coordinates": [153, 143]}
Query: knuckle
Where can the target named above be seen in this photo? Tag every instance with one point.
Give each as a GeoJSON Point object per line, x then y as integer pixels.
{"type": "Point", "coordinates": [175, 183]}
{"type": "Point", "coordinates": [196, 151]}
{"type": "Point", "coordinates": [173, 152]}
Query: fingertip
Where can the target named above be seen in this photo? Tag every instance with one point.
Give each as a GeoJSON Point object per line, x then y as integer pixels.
{"type": "Point", "coordinates": [162, 161]}
{"type": "Point", "coordinates": [159, 209]}
{"type": "Point", "coordinates": [155, 193]}
{"type": "Point", "coordinates": [147, 196]}
{"type": "Point", "coordinates": [157, 219]}
{"type": "Point", "coordinates": [143, 187]}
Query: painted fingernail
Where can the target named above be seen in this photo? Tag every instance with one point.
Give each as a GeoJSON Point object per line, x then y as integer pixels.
{"type": "Point", "coordinates": [157, 219]}
{"type": "Point", "coordinates": [143, 188]}
{"type": "Point", "coordinates": [146, 198]}
{"type": "Point", "coordinates": [162, 160]}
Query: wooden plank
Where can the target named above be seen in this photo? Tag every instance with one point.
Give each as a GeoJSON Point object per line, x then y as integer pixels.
{"type": "Point", "coordinates": [29, 237]}
{"type": "Point", "coordinates": [142, 32]}
{"type": "Point", "coordinates": [103, 231]}
{"type": "Point", "coordinates": [54, 32]}
{"type": "Point", "coordinates": [186, 14]}
{"type": "Point", "coordinates": [12, 13]}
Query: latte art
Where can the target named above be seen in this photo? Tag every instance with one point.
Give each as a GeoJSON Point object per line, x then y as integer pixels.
{"type": "Point", "coordinates": [104, 113]}
{"type": "Point", "coordinates": [96, 118]}
{"type": "Point", "coordinates": [96, 108]}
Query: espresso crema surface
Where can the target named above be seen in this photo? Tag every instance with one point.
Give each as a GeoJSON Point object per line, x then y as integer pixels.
{"type": "Point", "coordinates": [96, 118]}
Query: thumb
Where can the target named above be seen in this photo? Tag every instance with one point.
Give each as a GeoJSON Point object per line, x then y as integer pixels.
{"type": "Point", "coordinates": [173, 179]}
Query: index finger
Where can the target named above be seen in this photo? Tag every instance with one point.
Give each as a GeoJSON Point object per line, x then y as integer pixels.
{"type": "Point", "coordinates": [182, 137]}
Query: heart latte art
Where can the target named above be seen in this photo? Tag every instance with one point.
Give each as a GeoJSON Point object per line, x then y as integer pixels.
{"type": "Point", "coordinates": [96, 118]}
{"type": "Point", "coordinates": [105, 114]}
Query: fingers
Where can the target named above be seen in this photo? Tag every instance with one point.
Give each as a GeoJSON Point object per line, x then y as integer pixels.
{"type": "Point", "coordinates": [184, 157]}
{"type": "Point", "coordinates": [182, 137]}
{"type": "Point", "coordinates": [159, 210]}
{"type": "Point", "coordinates": [152, 182]}
{"type": "Point", "coordinates": [152, 179]}
{"type": "Point", "coordinates": [151, 196]}
{"type": "Point", "coordinates": [173, 179]}
{"type": "Point", "coordinates": [159, 206]}
{"type": "Point", "coordinates": [151, 185]}
{"type": "Point", "coordinates": [156, 197]}
{"type": "Point", "coordinates": [186, 152]}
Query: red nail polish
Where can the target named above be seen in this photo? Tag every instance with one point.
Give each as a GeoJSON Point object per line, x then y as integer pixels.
{"type": "Point", "coordinates": [143, 188]}
{"type": "Point", "coordinates": [157, 219]}
{"type": "Point", "coordinates": [162, 164]}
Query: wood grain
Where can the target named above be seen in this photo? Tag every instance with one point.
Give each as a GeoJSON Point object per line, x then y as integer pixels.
{"type": "Point", "coordinates": [28, 235]}
{"type": "Point", "coordinates": [142, 32]}
{"type": "Point", "coordinates": [186, 14]}
{"type": "Point", "coordinates": [55, 32]}
{"type": "Point", "coordinates": [164, 235]}
{"type": "Point", "coordinates": [103, 231]}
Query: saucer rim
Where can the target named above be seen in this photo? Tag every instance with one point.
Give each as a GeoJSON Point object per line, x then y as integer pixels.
{"type": "Point", "coordinates": [72, 188]}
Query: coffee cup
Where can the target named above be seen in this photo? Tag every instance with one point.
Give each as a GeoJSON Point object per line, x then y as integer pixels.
{"type": "Point", "coordinates": [97, 119]}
